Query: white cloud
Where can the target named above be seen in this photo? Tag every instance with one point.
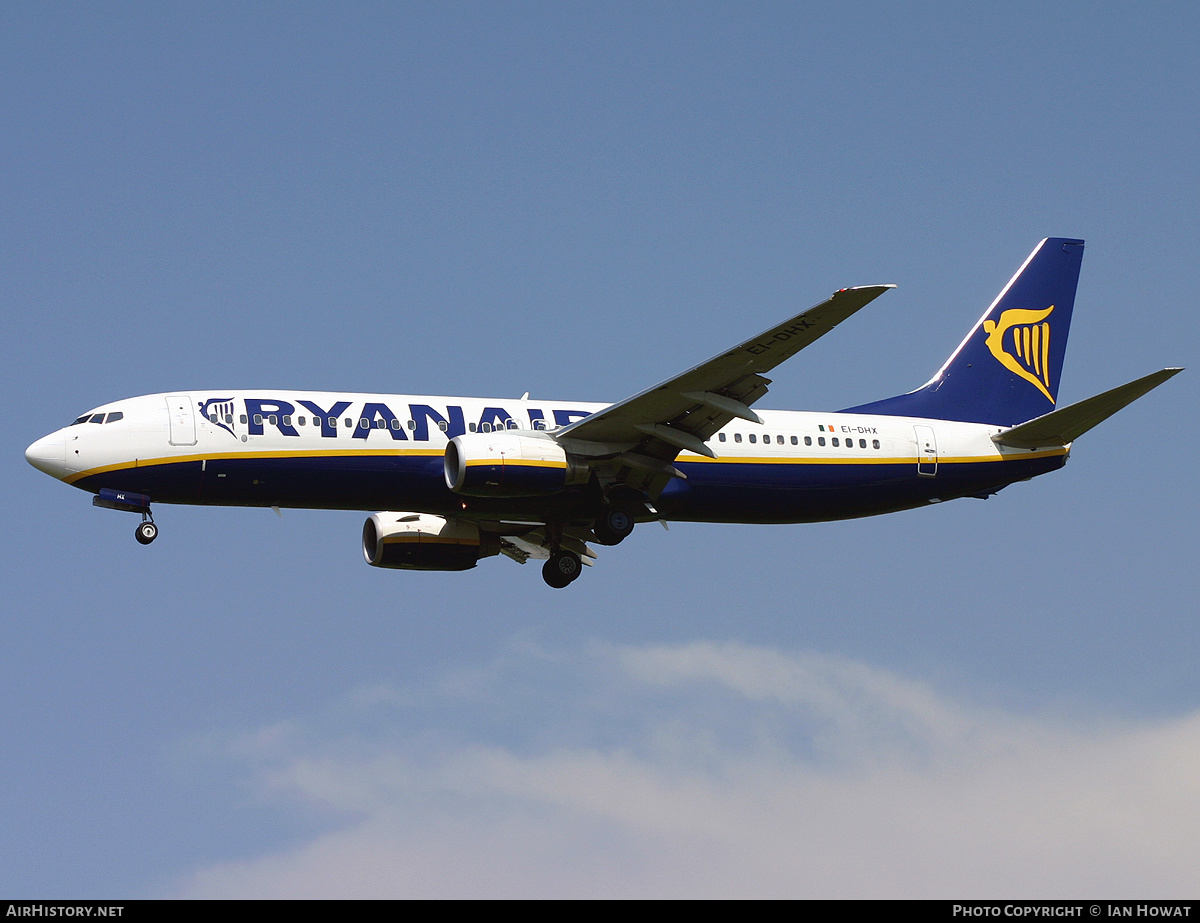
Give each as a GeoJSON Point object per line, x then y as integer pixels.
{"type": "Point", "coordinates": [719, 770]}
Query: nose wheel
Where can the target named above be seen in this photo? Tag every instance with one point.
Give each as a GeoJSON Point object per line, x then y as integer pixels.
{"type": "Point", "coordinates": [146, 532]}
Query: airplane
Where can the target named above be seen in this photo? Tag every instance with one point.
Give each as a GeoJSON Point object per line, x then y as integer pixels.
{"type": "Point", "coordinates": [455, 480]}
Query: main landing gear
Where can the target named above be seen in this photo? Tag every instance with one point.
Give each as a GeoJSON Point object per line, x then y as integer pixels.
{"type": "Point", "coordinates": [562, 568]}
{"type": "Point", "coordinates": [617, 519]}
{"type": "Point", "coordinates": [613, 526]}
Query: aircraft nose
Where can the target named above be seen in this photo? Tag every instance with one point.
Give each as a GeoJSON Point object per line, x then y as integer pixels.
{"type": "Point", "coordinates": [48, 454]}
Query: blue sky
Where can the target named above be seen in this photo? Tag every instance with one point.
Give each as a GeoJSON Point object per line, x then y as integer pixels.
{"type": "Point", "coordinates": [578, 200]}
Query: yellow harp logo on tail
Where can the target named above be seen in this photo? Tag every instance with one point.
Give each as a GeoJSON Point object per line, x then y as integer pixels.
{"type": "Point", "coordinates": [1028, 352]}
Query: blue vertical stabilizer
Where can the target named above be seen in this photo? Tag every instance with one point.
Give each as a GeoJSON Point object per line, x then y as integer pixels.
{"type": "Point", "coordinates": [1007, 369]}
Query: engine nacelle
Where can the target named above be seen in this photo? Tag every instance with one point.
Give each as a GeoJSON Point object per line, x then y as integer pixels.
{"type": "Point", "coordinates": [421, 541]}
{"type": "Point", "coordinates": [508, 464]}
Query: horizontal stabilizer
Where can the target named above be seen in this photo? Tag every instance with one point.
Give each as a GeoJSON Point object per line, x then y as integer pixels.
{"type": "Point", "coordinates": [1062, 427]}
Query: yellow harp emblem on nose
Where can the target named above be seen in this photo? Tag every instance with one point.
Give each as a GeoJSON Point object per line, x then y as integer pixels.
{"type": "Point", "coordinates": [1029, 343]}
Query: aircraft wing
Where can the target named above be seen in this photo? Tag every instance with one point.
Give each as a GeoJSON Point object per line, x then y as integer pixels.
{"type": "Point", "coordinates": [643, 434]}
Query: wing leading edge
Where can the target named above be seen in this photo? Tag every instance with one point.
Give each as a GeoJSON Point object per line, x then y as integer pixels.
{"type": "Point", "coordinates": [637, 439]}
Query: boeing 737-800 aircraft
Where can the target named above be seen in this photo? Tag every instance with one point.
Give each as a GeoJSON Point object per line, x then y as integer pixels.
{"type": "Point", "coordinates": [466, 478]}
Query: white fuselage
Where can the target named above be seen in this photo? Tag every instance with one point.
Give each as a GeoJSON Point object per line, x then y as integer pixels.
{"type": "Point", "coordinates": [368, 451]}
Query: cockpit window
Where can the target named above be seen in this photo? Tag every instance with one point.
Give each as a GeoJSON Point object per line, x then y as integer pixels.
{"type": "Point", "coordinates": [98, 418]}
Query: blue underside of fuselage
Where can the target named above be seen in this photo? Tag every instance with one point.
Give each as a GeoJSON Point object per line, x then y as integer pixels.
{"type": "Point", "coordinates": [712, 492]}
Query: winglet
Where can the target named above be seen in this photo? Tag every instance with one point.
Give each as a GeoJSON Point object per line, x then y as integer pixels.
{"type": "Point", "coordinates": [1062, 427]}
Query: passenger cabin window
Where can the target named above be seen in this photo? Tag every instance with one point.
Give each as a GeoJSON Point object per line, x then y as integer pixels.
{"type": "Point", "coordinates": [737, 437]}
{"type": "Point", "coordinates": [753, 438]}
{"type": "Point", "coordinates": [720, 437]}
{"type": "Point", "coordinates": [820, 440]}
{"type": "Point", "coordinates": [875, 443]}
{"type": "Point", "coordinates": [795, 441]}
{"type": "Point", "coordinates": [808, 440]}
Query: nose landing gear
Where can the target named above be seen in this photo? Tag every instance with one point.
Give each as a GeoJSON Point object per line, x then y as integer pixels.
{"type": "Point", "coordinates": [130, 502]}
{"type": "Point", "coordinates": [146, 532]}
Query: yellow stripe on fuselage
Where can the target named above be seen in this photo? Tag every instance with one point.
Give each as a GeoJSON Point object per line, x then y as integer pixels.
{"type": "Point", "coordinates": [684, 458]}
{"type": "Point", "coordinates": [863, 460]}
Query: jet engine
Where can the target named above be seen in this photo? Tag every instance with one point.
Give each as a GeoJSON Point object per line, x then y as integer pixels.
{"type": "Point", "coordinates": [508, 464]}
{"type": "Point", "coordinates": [421, 541]}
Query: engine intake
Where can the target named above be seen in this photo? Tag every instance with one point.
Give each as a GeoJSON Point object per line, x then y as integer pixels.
{"type": "Point", "coordinates": [421, 541]}
{"type": "Point", "coordinates": [507, 464]}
